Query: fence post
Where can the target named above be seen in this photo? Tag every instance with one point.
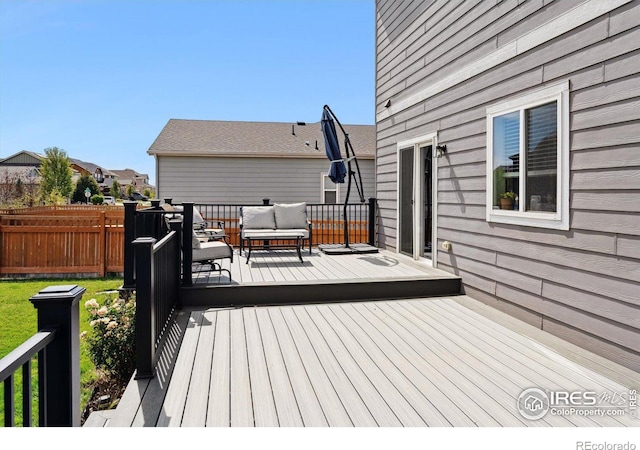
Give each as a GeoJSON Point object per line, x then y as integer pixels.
{"type": "Point", "coordinates": [103, 244]}
{"type": "Point", "coordinates": [145, 307]}
{"type": "Point", "coordinates": [59, 379]}
{"type": "Point", "coordinates": [129, 237]}
{"type": "Point", "coordinates": [187, 236]}
{"type": "Point", "coordinates": [176, 225]}
{"type": "Point", "coordinates": [372, 221]}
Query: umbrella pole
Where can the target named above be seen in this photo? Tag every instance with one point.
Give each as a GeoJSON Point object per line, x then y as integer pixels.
{"type": "Point", "coordinates": [346, 203]}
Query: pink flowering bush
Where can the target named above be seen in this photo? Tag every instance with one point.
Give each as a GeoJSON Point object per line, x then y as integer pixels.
{"type": "Point", "coordinates": [111, 342]}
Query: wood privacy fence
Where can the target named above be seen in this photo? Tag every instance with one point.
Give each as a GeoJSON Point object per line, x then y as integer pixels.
{"type": "Point", "coordinates": [74, 240]}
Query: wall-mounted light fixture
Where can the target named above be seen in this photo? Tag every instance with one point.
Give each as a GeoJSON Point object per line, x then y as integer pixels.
{"type": "Point", "coordinates": [388, 103]}
{"type": "Point", "coordinates": [441, 150]}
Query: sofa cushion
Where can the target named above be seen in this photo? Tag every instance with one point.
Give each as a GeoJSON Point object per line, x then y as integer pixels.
{"type": "Point", "coordinates": [195, 242]}
{"type": "Point", "coordinates": [258, 217]}
{"type": "Point", "coordinates": [290, 215]}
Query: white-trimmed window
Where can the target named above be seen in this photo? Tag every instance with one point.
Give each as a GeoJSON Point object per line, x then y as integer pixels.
{"type": "Point", "coordinates": [528, 156]}
{"type": "Point", "coordinates": [330, 190]}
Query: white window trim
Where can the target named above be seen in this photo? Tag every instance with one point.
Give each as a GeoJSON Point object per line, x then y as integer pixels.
{"type": "Point", "coordinates": [560, 219]}
{"type": "Point", "coordinates": [323, 178]}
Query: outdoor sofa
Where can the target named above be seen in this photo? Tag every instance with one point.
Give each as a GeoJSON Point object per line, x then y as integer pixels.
{"type": "Point", "coordinates": [281, 222]}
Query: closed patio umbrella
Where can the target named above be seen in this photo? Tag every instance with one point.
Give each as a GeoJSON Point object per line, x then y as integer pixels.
{"type": "Point", "coordinates": [337, 173]}
{"type": "Point", "coordinates": [337, 170]}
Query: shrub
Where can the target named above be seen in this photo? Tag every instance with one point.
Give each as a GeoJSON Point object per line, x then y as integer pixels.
{"type": "Point", "coordinates": [111, 341]}
{"type": "Point", "coordinates": [97, 199]}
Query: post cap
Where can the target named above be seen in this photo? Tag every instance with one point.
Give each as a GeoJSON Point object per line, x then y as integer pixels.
{"type": "Point", "coordinates": [66, 293]}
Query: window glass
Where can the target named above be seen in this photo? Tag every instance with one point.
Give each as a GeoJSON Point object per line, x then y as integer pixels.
{"type": "Point", "coordinates": [506, 155]}
{"type": "Point", "coordinates": [542, 158]}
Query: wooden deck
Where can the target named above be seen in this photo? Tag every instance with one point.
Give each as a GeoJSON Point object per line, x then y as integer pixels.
{"type": "Point", "coordinates": [276, 266]}
{"type": "Point", "coordinates": [447, 361]}
{"type": "Point", "coordinates": [278, 276]}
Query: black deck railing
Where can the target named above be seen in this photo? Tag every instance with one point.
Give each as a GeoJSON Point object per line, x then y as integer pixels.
{"type": "Point", "coordinates": [327, 220]}
{"type": "Point", "coordinates": [157, 293]}
{"type": "Point", "coordinates": [57, 346]}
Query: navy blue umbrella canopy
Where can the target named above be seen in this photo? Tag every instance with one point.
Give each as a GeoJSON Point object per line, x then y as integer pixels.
{"type": "Point", "coordinates": [337, 171]}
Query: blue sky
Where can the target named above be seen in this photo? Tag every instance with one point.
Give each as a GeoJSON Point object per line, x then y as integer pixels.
{"type": "Point", "coordinates": [100, 79]}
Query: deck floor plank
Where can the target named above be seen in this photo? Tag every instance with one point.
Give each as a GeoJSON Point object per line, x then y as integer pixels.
{"type": "Point", "coordinates": [195, 410]}
{"type": "Point", "coordinates": [350, 397]}
{"type": "Point", "coordinates": [401, 406]}
{"type": "Point", "coordinates": [416, 363]}
{"type": "Point", "coordinates": [219, 404]}
{"type": "Point", "coordinates": [286, 405]}
{"type": "Point", "coordinates": [388, 358]}
{"type": "Point", "coordinates": [241, 402]}
{"type": "Point", "coordinates": [306, 396]}
{"type": "Point", "coordinates": [335, 413]}
{"type": "Point", "coordinates": [488, 364]}
{"type": "Point", "coordinates": [264, 406]}
{"type": "Point", "coordinates": [552, 372]}
{"type": "Point", "coordinates": [173, 406]}
{"type": "Point", "coordinates": [374, 399]}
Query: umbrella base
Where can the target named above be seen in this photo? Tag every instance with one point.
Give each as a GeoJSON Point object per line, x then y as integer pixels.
{"type": "Point", "coordinates": [341, 249]}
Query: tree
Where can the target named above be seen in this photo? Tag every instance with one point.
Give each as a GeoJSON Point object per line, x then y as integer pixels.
{"type": "Point", "coordinates": [85, 181]}
{"type": "Point", "coordinates": [116, 190]}
{"type": "Point", "coordinates": [129, 190]}
{"type": "Point", "coordinates": [56, 173]}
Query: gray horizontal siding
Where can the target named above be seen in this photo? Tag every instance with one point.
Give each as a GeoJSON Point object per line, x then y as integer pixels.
{"type": "Point", "coordinates": [582, 284]}
{"type": "Point", "coordinates": [249, 180]}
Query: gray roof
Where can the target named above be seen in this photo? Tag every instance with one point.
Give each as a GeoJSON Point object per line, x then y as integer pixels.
{"type": "Point", "coordinates": [90, 167]}
{"type": "Point", "coordinates": [225, 138]}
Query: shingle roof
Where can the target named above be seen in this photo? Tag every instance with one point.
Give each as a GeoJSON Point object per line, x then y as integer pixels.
{"type": "Point", "coordinates": [213, 137]}
{"type": "Point", "coordinates": [89, 166]}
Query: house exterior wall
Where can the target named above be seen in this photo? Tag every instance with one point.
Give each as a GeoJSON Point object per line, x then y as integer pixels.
{"type": "Point", "coordinates": [441, 64]}
{"type": "Point", "coordinates": [204, 179]}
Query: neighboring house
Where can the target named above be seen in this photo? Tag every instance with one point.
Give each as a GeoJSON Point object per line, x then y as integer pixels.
{"type": "Point", "coordinates": [129, 177]}
{"type": "Point", "coordinates": [208, 161]}
{"type": "Point", "coordinates": [27, 165]}
{"type": "Point", "coordinates": [20, 177]}
{"type": "Point", "coordinates": [103, 177]}
{"type": "Point", "coordinates": [539, 98]}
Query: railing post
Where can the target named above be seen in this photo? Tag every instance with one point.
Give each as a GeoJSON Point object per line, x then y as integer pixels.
{"type": "Point", "coordinates": [57, 308]}
{"type": "Point", "coordinates": [145, 307]}
{"type": "Point", "coordinates": [187, 250]}
{"type": "Point", "coordinates": [372, 221]}
{"type": "Point", "coordinates": [176, 225]}
{"type": "Point", "coordinates": [129, 237]}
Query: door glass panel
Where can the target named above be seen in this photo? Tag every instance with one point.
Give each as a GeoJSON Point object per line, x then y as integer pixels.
{"type": "Point", "coordinates": [406, 201]}
{"type": "Point", "coordinates": [427, 201]}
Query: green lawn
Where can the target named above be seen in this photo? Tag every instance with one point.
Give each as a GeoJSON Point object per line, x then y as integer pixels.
{"type": "Point", "coordinates": [18, 322]}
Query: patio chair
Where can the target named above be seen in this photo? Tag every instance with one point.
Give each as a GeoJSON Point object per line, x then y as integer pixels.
{"type": "Point", "coordinates": [207, 245]}
{"type": "Point", "coordinates": [207, 252]}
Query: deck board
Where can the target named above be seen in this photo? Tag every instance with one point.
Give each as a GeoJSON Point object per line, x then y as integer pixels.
{"type": "Point", "coordinates": [219, 406]}
{"type": "Point", "coordinates": [264, 405]}
{"type": "Point", "coordinates": [417, 362]}
{"type": "Point", "coordinates": [286, 405]}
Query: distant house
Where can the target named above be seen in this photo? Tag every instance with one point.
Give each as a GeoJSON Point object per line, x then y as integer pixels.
{"type": "Point", "coordinates": [210, 161]}
{"type": "Point", "coordinates": [129, 177]}
{"type": "Point", "coordinates": [26, 166]}
{"type": "Point", "coordinates": [474, 99]}
{"type": "Point", "coordinates": [21, 169]}
{"type": "Point", "coordinates": [103, 177]}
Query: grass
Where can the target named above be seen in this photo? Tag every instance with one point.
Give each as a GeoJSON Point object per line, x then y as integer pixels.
{"type": "Point", "coordinates": [19, 322]}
